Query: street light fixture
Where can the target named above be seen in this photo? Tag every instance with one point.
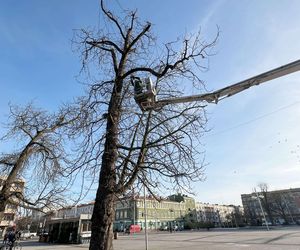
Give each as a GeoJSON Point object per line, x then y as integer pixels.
{"type": "Point", "coordinates": [263, 213]}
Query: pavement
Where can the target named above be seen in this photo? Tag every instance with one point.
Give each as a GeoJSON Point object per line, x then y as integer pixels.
{"type": "Point", "coordinates": [217, 239]}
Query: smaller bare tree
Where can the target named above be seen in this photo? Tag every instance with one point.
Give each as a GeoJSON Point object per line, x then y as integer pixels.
{"type": "Point", "coordinates": [278, 206]}
{"type": "Point", "coordinates": [37, 156]}
{"type": "Point", "coordinates": [24, 219]}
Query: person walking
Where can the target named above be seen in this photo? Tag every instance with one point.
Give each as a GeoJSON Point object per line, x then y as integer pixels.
{"type": "Point", "coordinates": [11, 237]}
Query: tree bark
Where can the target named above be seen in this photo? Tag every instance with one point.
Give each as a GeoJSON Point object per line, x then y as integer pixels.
{"type": "Point", "coordinates": [104, 211]}
{"type": "Point", "coordinates": [102, 221]}
{"type": "Point", "coordinates": [5, 192]}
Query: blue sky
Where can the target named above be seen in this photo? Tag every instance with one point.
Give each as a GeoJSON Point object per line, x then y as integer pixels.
{"type": "Point", "coordinates": [255, 135]}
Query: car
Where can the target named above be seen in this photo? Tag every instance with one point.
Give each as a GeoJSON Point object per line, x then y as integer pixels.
{"type": "Point", "coordinates": [133, 229]}
{"type": "Point", "coordinates": [268, 223]}
{"type": "Point", "coordinates": [26, 234]}
{"type": "Point", "coordinates": [164, 228]}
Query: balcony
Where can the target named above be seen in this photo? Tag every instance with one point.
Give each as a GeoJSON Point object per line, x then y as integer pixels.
{"type": "Point", "coordinates": [5, 223]}
{"type": "Point", "coordinates": [10, 210]}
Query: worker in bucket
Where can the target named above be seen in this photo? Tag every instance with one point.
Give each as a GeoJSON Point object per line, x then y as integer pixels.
{"type": "Point", "coordinates": [137, 84]}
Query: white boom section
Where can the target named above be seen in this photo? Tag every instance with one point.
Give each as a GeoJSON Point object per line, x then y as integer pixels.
{"type": "Point", "coordinates": [218, 95]}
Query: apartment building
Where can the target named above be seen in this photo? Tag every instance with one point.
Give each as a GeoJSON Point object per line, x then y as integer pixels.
{"type": "Point", "coordinates": [73, 224]}
{"type": "Point", "coordinates": [219, 215]}
{"type": "Point", "coordinates": [278, 206]}
{"type": "Point", "coordinates": [9, 215]}
{"type": "Point", "coordinates": [170, 212]}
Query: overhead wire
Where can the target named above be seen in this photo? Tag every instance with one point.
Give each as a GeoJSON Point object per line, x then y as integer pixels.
{"type": "Point", "coordinates": [253, 120]}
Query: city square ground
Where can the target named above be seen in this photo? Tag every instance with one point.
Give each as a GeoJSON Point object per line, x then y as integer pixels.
{"type": "Point", "coordinates": [216, 239]}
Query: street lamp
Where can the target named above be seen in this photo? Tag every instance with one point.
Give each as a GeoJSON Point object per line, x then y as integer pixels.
{"type": "Point", "coordinates": [143, 181]}
{"type": "Point", "coordinates": [134, 212]}
{"type": "Point", "coordinates": [171, 222]}
{"type": "Point", "coordinates": [145, 218]}
{"type": "Point", "coordinates": [263, 213]}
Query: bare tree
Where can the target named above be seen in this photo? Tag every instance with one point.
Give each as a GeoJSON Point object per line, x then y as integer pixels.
{"type": "Point", "coordinates": [266, 201]}
{"type": "Point", "coordinates": [239, 217]}
{"type": "Point", "coordinates": [24, 219]}
{"type": "Point", "coordinates": [38, 157]}
{"type": "Point", "coordinates": [279, 205]}
{"type": "Point", "coordinates": [251, 214]}
{"type": "Point", "coordinates": [123, 145]}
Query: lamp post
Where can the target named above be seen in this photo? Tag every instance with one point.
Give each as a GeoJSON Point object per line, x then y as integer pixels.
{"type": "Point", "coordinates": [263, 213]}
{"type": "Point", "coordinates": [145, 218]}
{"type": "Point", "coordinates": [171, 222]}
{"type": "Point", "coordinates": [133, 203]}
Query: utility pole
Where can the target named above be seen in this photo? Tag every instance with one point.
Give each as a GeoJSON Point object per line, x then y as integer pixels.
{"type": "Point", "coordinates": [145, 218]}
{"type": "Point", "coordinates": [263, 213]}
{"type": "Point", "coordinates": [133, 211]}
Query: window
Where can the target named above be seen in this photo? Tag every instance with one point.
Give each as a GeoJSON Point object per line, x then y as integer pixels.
{"type": "Point", "coordinates": [11, 206]}
{"type": "Point", "coordinates": [86, 226]}
{"type": "Point", "coordinates": [8, 217]}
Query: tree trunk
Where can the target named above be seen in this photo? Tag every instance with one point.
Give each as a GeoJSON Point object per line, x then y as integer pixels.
{"type": "Point", "coordinates": [3, 202]}
{"type": "Point", "coordinates": [285, 219]}
{"type": "Point", "coordinates": [102, 221]}
{"type": "Point", "coordinates": [5, 192]}
{"type": "Point", "coordinates": [4, 195]}
{"type": "Point", "coordinates": [104, 212]}
{"type": "Point", "coordinates": [284, 216]}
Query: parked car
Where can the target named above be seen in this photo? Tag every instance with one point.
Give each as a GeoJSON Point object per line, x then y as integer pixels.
{"type": "Point", "coordinates": [268, 223]}
{"type": "Point", "coordinates": [164, 228]}
{"type": "Point", "coordinates": [133, 229]}
{"type": "Point", "coordinates": [26, 234]}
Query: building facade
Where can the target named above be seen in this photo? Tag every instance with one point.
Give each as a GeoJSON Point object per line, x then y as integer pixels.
{"type": "Point", "coordinates": [72, 224]}
{"type": "Point", "coordinates": [171, 212]}
{"type": "Point", "coordinates": [278, 207]}
{"type": "Point", "coordinates": [8, 217]}
{"type": "Point", "coordinates": [219, 215]}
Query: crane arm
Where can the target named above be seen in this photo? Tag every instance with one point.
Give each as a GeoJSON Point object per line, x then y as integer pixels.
{"type": "Point", "coordinates": [215, 96]}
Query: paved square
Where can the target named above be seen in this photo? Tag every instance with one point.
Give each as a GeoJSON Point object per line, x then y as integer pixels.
{"type": "Point", "coordinates": [217, 239]}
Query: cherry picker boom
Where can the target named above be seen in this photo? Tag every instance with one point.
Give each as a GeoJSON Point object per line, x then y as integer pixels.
{"type": "Point", "coordinates": [149, 102]}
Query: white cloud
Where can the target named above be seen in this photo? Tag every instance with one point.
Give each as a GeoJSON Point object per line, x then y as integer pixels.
{"type": "Point", "coordinates": [212, 10]}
